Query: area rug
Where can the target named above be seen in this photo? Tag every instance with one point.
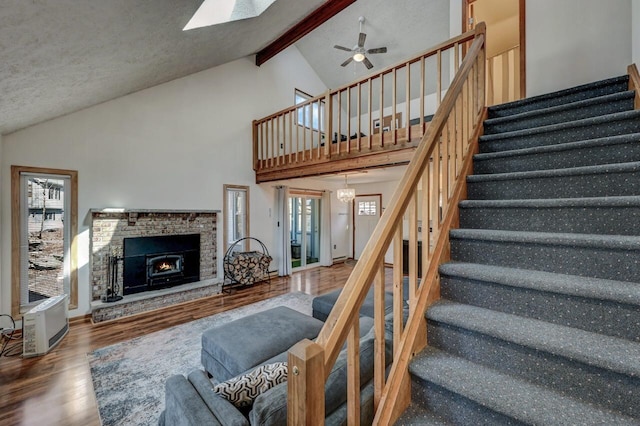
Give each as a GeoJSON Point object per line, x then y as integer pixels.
{"type": "Point", "coordinates": [128, 377]}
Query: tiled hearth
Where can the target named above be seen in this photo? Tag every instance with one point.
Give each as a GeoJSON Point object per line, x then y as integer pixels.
{"type": "Point", "coordinates": [110, 227]}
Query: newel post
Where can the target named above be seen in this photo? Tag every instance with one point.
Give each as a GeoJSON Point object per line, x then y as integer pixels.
{"type": "Point", "coordinates": [305, 384]}
{"type": "Point", "coordinates": [328, 127]}
{"type": "Point", "coordinates": [254, 125]}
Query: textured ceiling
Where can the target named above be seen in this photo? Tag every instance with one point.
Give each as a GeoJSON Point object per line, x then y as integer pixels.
{"type": "Point", "coordinates": [60, 56]}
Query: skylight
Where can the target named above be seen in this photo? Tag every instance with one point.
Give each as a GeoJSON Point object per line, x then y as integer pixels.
{"type": "Point", "coordinates": [213, 12]}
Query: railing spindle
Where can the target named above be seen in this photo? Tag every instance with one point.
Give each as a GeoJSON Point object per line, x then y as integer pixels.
{"type": "Point", "coordinates": [353, 375]}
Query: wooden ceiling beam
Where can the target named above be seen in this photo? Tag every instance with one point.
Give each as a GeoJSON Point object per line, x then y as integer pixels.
{"type": "Point", "coordinates": [312, 21]}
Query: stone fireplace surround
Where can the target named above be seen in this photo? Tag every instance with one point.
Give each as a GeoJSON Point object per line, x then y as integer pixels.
{"type": "Point", "coordinates": [109, 228]}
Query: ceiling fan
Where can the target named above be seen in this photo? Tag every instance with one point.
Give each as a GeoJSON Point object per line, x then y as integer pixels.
{"type": "Point", "coordinates": [359, 52]}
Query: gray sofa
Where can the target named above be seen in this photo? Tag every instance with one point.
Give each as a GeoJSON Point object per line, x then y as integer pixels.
{"type": "Point", "coordinates": [191, 400]}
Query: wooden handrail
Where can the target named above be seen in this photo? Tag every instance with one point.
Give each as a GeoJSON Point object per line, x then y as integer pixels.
{"type": "Point", "coordinates": [456, 123]}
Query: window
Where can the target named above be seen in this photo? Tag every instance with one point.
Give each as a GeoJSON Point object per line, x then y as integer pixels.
{"type": "Point", "coordinates": [44, 221]}
{"type": "Point", "coordinates": [236, 215]}
{"type": "Point", "coordinates": [311, 115]}
{"type": "Point", "coordinates": [367, 208]}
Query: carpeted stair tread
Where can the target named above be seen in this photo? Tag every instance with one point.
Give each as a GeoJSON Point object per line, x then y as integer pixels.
{"type": "Point", "coordinates": [613, 242]}
{"type": "Point", "coordinates": [516, 398]}
{"type": "Point", "coordinates": [593, 121]}
{"type": "Point", "coordinates": [567, 146]}
{"type": "Point", "coordinates": [597, 215]}
{"type": "Point", "coordinates": [542, 203]}
{"type": "Point", "coordinates": [585, 108]}
{"type": "Point", "coordinates": [588, 287]}
{"type": "Point", "coordinates": [597, 350]}
{"type": "Point", "coordinates": [570, 171]}
{"type": "Point", "coordinates": [573, 94]}
{"type": "Point", "coordinates": [416, 414]}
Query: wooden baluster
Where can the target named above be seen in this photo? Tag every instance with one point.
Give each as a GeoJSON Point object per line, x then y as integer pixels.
{"type": "Point", "coordinates": [359, 112]}
{"type": "Point", "coordinates": [381, 110]}
{"type": "Point", "coordinates": [379, 343]}
{"type": "Point", "coordinates": [456, 53]}
{"type": "Point", "coordinates": [424, 217]}
{"type": "Point", "coordinates": [297, 133]}
{"type": "Point", "coordinates": [407, 97]}
{"type": "Point", "coordinates": [349, 119]}
{"type": "Point", "coordinates": [319, 150]}
{"type": "Point", "coordinates": [445, 168]}
{"type": "Point", "coordinates": [394, 101]}
{"type": "Point", "coordinates": [262, 145]}
{"type": "Point", "coordinates": [290, 137]}
{"type": "Point", "coordinates": [398, 288]}
{"type": "Point", "coordinates": [305, 384]}
{"type": "Point", "coordinates": [339, 134]}
{"type": "Point", "coordinates": [328, 126]}
{"type": "Point", "coordinates": [353, 374]}
{"type": "Point", "coordinates": [304, 133]}
{"type": "Point", "coordinates": [439, 83]}
{"type": "Point", "coordinates": [506, 81]}
{"type": "Point", "coordinates": [412, 209]}
{"type": "Point", "coordinates": [272, 161]}
{"type": "Point", "coordinates": [422, 99]}
{"type": "Point", "coordinates": [370, 96]}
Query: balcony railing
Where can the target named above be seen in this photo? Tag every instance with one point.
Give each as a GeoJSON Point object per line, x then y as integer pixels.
{"type": "Point", "coordinates": [386, 112]}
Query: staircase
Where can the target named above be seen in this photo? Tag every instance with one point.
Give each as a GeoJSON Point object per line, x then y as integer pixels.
{"type": "Point", "coordinates": [539, 321]}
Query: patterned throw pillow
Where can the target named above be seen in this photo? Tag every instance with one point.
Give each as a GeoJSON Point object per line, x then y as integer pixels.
{"type": "Point", "coordinates": [242, 390]}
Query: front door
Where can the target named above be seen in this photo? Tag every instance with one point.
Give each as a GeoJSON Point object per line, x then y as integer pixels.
{"type": "Point", "coordinates": [366, 214]}
{"type": "Point", "coordinates": [505, 45]}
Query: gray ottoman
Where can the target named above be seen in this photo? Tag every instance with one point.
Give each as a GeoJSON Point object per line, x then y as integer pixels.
{"type": "Point", "coordinates": [322, 305]}
{"type": "Point", "coordinates": [237, 346]}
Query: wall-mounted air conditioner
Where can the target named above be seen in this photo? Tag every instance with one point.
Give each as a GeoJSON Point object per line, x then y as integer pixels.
{"type": "Point", "coordinates": [44, 326]}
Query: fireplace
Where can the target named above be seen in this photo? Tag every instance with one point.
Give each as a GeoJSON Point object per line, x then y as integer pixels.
{"type": "Point", "coordinates": [156, 262]}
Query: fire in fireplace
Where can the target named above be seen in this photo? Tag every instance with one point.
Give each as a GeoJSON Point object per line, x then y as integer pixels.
{"type": "Point", "coordinates": [163, 261]}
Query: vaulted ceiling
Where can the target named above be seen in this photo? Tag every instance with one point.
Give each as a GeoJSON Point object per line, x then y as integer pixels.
{"type": "Point", "coordinates": [60, 56]}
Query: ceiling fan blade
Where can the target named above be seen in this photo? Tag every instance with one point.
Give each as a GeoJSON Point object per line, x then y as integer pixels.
{"type": "Point", "coordinates": [361, 38]}
{"type": "Point", "coordinates": [346, 49]}
{"type": "Point", "coordinates": [347, 62]}
{"type": "Point", "coordinates": [367, 63]}
{"type": "Point", "coordinates": [378, 50]}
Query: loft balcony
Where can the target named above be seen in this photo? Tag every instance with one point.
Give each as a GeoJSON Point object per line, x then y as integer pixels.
{"type": "Point", "coordinates": [377, 121]}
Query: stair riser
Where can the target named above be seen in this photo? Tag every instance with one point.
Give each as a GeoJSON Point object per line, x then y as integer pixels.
{"type": "Point", "coordinates": [560, 116]}
{"type": "Point", "coordinates": [579, 380]}
{"type": "Point", "coordinates": [595, 315]}
{"type": "Point", "coordinates": [587, 93]}
{"type": "Point", "coordinates": [620, 265]}
{"type": "Point", "coordinates": [455, 408]}
{"type": "Point", "coordinates": [572, 186]}
{"type": "Point", "coordinates": [575, 220]}
{"type": "Point", "coordinates": [588, 156]}
{"type": "Point", "coordinates": [562, 135]}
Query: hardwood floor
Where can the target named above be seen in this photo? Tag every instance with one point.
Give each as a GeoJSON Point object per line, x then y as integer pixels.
{"type": "Point", "coordinates": [56, 388]}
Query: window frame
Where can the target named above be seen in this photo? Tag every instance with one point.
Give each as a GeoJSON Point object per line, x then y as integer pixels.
{"type": "Point", "coordinates": [17, 228]}
{"type": "Point", "coordinates": [227, 188]}
{"type": "Point", "coordinates": [309, 110]}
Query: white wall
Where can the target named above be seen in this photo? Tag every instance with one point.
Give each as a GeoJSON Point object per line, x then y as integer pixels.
{"type": "Point", "coordinates": [571, 42]}
{"type": "Point", "coordinates": [169, 147]}
{"type": "Point", "coordinates": [5, 304]}
{"type": "Point", "coordinates": [635, 23]}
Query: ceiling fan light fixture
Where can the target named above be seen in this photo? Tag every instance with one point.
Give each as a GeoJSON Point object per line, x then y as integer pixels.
{"type": "Point", "coordinates": [358, 57]}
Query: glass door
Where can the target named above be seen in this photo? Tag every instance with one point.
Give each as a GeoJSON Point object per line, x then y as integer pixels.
{"type": "Point", "coordinates": [305, 231]}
